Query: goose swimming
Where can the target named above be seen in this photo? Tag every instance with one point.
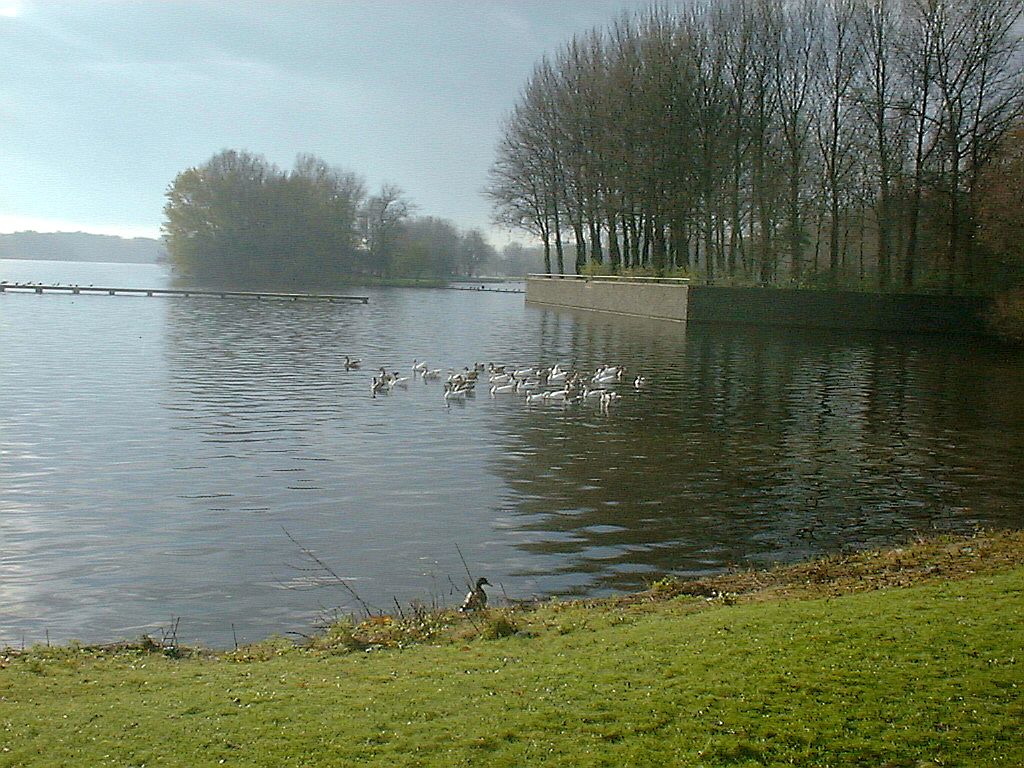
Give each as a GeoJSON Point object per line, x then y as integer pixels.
{"type": "Point", "coordinates": [451, 393]}
{"type": "Point", "coordinates": [505, 389]}
{"type": "Point", "coordinates": [350, 363]}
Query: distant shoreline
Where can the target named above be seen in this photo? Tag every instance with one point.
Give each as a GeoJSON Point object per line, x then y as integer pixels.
{"type": "Point", "coordinates": [81, 247]}
{"type": "Point", "coordinates": [82, 261]}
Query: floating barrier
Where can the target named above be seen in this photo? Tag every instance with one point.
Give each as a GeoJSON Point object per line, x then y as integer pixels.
{"type": "Point", "coordinates": [185, 292]}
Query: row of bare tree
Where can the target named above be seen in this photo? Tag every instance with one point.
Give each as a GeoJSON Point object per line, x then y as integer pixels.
{"type": "Point", "coordinates": [813, 141]}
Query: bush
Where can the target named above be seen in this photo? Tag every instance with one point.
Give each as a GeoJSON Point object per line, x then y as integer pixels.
{"type": "Point", "coordinates": [497, 627]}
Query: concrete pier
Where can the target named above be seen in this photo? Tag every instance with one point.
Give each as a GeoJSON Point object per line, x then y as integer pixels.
{"type": "Point", "coordinates": [185, 292]}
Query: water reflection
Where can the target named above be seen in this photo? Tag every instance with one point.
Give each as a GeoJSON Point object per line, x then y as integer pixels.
{"type": "Point", "coordinates": [763, 446]}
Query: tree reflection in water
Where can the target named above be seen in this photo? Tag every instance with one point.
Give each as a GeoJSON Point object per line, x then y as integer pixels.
{"type": "Point", "coordinates": [754, 446]}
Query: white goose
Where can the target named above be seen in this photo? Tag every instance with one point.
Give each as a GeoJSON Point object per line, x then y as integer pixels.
{"type": "Point", "coordinates": [609, 371]}
{"type": "Point", "coordinates": [450, 393]}
{"type": "Point", "coordinates": [505, 389]}
{"type": "Point", "coordinates": [539, 397]}
{"type": "Point", "coordinates": [418, 366]}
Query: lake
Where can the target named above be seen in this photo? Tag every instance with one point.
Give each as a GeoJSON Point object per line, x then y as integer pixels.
{"type": "Point", "coordinates": [158, 455]}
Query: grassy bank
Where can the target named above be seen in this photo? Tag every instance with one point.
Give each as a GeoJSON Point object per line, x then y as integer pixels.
{"type": "Point", "coordinates": [907, 657]}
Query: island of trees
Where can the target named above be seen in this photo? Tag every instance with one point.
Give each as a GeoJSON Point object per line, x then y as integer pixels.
{"type": "Point", "coordinates": [855, 143]}
{"type": "Point", "coordinates": [238, 220]}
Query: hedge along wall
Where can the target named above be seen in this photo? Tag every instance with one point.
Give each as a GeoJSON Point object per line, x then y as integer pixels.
{"type": "Point", "coordinates": [905, 313]}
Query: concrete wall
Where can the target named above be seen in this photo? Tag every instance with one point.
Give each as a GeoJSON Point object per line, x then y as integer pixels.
{"type": "Point", "coordinates": [665, 302]}
{"type": "Point", "coordinates": [906, 313]}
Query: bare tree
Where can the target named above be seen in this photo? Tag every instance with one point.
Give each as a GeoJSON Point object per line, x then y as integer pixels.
{"type": "Point", "coordinates": [382, 216]}
{"type": "Point", "coordinates": [721, 135]}
{"type": "Point", "coordinates": [980, 88]}
{"type": "Point", "coordinates": [836, 126]}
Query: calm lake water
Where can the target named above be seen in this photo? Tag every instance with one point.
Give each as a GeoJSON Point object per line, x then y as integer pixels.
{"type": "Point", "coordinates": [153, 452]}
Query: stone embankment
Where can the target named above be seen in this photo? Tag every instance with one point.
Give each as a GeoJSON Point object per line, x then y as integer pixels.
{"type": "Point", "coordinates": [677, 300]}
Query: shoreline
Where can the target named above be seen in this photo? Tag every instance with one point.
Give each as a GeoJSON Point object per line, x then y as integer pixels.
{"type": "Point", "coordinates": [924, 559]}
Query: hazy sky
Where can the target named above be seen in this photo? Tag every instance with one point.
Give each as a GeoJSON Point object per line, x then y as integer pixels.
{"type": "Point", "coordinates": [103, 102]}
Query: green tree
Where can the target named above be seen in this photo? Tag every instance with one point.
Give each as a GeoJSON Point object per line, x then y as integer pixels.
{"type": "Point", "coordinates": [239, 221]}
{"type": "Point", "coordinates": [426, 247]}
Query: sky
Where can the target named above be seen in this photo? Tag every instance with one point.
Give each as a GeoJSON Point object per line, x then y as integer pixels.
{"type": "Point", "coordinates": [104, 102]}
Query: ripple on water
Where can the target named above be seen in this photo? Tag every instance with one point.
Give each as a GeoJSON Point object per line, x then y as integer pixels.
{"type": "Point", "coordinates": [152, 478]}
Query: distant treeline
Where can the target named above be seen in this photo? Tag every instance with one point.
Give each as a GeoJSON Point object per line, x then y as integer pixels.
{"type": "Point", "coordinates": [759, 141]}
{"type": "Point", "coordinates": [239, 220]}
{"type": "Point", "coordinates": [80, 246]}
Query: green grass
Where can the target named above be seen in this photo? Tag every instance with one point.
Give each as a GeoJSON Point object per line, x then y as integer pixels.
{"type": "Point", "coordinates": [930, 674]}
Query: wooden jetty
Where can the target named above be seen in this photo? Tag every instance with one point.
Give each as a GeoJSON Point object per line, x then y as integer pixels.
{"type": "Point", "coordinates": [186, 292]}
{"type": "Point", "coordinates": [481, 288]}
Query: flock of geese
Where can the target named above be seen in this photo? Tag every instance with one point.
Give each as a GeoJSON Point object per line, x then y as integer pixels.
{"type": "Point", "coordinates": [537, 385]}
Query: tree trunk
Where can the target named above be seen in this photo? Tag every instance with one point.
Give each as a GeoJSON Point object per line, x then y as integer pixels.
{"type": "Point", "coordinates": [954, 224]}
{"type": "Point", "coordinates": [658, 251]}
{"type": "Point", "coordinates": [614, 254]}
{"type": "Point", "coordinates": [596, 250]}
{"type": "Point", "coordinates": [581, 245]}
